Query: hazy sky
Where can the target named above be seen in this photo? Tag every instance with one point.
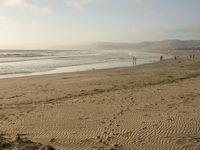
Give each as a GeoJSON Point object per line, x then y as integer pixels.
{"type": "Point", "coordinates": [60, 23]}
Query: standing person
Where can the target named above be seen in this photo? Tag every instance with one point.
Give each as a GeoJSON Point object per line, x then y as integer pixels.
{"type": "Point", "coordinates": [134, 60]}
{"type": "Point", "coordinates": [161, 58]}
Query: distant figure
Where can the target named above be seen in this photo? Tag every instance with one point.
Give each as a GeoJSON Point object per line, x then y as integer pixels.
{"type": "Point", "coordinates": [192, 56]}
{"type": "Point", "coordinates": [175, 57]}
{"type": "Point", "coordinates": [134, 60]}
{"type": "Point", "coordinates": [161, 58]}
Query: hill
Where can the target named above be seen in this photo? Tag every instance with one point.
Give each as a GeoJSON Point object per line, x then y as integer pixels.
{"type": "Point", "coordinates": [153, 45]}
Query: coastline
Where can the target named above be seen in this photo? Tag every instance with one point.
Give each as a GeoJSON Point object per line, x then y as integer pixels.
{"type": "Point", "coordinates": [55, 72]}
{"type": "Point", "coordinates": [150, 106]}
{"type": "Point", "coordinates": [25, 67]}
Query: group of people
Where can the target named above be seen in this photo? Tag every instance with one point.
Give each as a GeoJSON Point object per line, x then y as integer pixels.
{"type": "Point", "coordinates": [134, 60]}
{"type": "Point", "coordinates": [161, 58]}
{"type": "Point", "coordinates": [191, 56]}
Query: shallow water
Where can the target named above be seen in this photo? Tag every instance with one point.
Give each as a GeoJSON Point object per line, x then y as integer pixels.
{"type": "Point", "coordinates": [29, 62]}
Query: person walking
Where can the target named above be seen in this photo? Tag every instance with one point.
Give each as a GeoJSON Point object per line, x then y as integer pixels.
{"type": "Point", "coordinates": [134, 60]}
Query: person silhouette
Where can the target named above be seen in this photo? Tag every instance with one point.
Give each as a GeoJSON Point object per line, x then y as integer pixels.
{"type": "Point", "coordinates": [161, 58]}
{"type": "Point", "coordinates": [134, 60]}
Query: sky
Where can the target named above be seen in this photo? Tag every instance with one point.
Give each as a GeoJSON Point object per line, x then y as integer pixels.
{"type": "Point", "coordinates": [63, 23]}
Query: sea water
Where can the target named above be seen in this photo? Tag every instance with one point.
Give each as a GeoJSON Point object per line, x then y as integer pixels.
{"type": "Point", "coordinates": [15, 63]}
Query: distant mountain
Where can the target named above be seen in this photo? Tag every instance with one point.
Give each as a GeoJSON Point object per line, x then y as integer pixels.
{"type": "Point", "coordinates": [154, 45]}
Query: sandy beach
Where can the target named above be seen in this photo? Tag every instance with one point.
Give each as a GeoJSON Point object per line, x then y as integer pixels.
{"type": "Point", "coordinates": [147, 107]}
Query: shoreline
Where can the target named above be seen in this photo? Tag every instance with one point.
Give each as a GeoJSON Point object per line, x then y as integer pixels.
{"type": "Point", "coordinates": [39, 74]}
{"type": "Point", "coordinates": [56, 71]}
{"type": "Point", "coordinates": [122, 61]}
{"type": "Point", "coordinates": [144, 107]}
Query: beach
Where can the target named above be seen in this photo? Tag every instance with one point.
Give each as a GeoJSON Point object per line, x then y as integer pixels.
{"type": "Point", "coordinates": [147, 107]}
{"type": "Point", "coordinates": [19, 63]}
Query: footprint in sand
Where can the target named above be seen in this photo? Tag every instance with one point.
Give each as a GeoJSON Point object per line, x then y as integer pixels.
{"type": "Point", "coordinates": [189, 142]}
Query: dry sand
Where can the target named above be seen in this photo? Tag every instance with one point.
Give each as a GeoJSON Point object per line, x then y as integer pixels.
{"type": "Point", "coordinates": [153, 106]}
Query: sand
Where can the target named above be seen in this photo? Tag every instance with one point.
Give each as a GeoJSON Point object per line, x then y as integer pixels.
{"type": "Point", "coordinates": [21, 144]}
{"type": "Point", "coordinates": [153, 106]}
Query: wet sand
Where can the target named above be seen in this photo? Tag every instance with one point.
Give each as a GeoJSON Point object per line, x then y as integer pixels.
{"type": "Point", "coordinates": [153, 106]}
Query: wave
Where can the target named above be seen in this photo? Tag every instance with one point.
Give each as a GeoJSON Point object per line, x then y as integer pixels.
{"type": "Point", "coordinates": [28, 62]}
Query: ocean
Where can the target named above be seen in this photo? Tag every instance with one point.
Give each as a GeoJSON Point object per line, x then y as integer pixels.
{"type": "Point", "coordinates": [16, 63]}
